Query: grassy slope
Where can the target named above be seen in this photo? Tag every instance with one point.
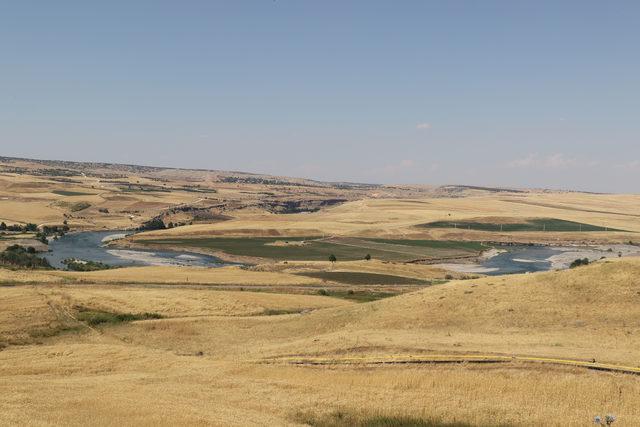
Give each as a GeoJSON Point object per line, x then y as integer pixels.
{"type": "Point", "coordinates": [399, 218]}
{"type": "Point", "coordinates": [200, 370]}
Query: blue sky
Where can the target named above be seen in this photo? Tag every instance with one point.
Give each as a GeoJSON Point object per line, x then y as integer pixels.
{"type": "Point", "coordinates": [511, 93]}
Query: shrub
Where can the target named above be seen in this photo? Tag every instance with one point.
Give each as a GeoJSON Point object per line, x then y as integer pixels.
{"type": "Point", "coordinates": [81, 265]}
{"type": "Point", "coordinates": [367, 257]}
{"type": "Point", "coordinates": [579, 262]}
{"type": "Point", "coordinates": [153, 224]}
{"type": "Point", "coordinates": [332, 258]}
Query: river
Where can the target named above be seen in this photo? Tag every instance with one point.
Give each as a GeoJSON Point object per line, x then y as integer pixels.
{"type": "Point", "coordinates": [90, 246]}
{"type": "Point", "coordinates": [531, 259]}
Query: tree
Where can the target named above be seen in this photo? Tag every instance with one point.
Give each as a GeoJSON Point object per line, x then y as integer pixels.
{"type": "Point", "coordinates": [3, 226]}
{"type": "Point", "coordinates": [367, 257]}
{"type": "Point", "coordinates": [332, 258]}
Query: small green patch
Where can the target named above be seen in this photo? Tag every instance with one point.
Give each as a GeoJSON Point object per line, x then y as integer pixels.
{"type": "Point", "coordinates": [80, 206]}
{"type": "Point", "coordinates": [537, 224]}
{"type": "Point", "coordinates": [357, 296]}
{"type": "Point", "coordinates": [71, 193]}
{"type": "Point", "coordinates": [98, 317]}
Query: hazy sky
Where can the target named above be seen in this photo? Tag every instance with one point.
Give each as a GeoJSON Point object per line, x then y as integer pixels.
{"type": "Point", "coordinates": [512, 93]}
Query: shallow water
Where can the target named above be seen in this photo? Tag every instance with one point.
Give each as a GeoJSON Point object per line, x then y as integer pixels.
{"type": "Point", "coordinates": [521, 259]}
{"type": "Point", "coordinates": [89, 246]}
{"type": "Point", "coordinates": [530, 259]}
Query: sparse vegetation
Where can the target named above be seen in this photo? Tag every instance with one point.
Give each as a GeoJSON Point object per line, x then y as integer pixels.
{"type": "Point", "coordinates": [98, 317]}
{"type": "Point", "coordinates": [16, 256]}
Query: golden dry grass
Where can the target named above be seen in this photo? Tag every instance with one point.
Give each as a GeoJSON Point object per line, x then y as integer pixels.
{"type": "Point", "coordinates": [232, 276]}
{"type": "Point", "coordinates": [213, 359]}
{"type": "Point", "coordinates": [120, 384]}
{"type": "Point", "coordinates": [395, 218]}
{"type": "Point", "coordinates": [203, 364]}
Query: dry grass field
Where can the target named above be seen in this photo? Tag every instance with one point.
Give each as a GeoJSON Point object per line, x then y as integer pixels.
{"type": "Point", "coordinates": [242, 345]}
{"type": "Point", "coordinates": [398, 218]}
{"type": "Point", "coordinates": [218, 357]}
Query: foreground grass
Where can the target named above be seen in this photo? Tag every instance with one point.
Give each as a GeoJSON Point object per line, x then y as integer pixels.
{"type": "Point", "coordinates": [340, 418]}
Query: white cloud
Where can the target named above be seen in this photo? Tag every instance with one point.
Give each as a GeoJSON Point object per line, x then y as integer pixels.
{"type": "Point", "coordinates": [630, 166]}
{"type": "Point", "coordinates": [552, 161]}
{"type": "Point", "coordinates": [423, 126]}
{"type": "Point", "coordinates": [528, 161]}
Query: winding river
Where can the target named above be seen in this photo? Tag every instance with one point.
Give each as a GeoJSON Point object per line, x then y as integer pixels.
{"type": "Point", "coordinates": [90, 246]}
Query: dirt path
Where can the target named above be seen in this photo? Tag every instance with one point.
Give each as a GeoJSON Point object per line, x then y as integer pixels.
{"type": "Point", "coordinates": [450, 359]}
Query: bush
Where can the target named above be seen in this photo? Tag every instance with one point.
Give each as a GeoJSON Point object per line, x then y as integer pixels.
{"type": "Point", "coordinates": [81, 265]}
{"type": "Point", "coordinates": [332, 258]}
{"type": "Point", "coordinates": [367, 257]}
{"type": "Point", "coordinates": [579, 262]}
{"type": "Point", "coordinates": [153, 224]}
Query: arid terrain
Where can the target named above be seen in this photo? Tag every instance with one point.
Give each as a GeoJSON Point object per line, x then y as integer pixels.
{"type": "Point", "coordinates": [333, 304]}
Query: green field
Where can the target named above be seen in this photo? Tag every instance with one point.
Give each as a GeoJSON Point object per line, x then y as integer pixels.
{"type": "Point", "coordinates": [358, 278]}
{"type": "Point", "coordinates": [344, 249]}
{"type": "Point", "coordinates": [538, 224]}
{"type": "Point", "coordinates": [71, 193]}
